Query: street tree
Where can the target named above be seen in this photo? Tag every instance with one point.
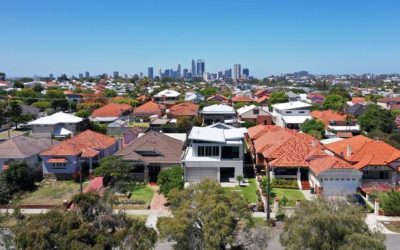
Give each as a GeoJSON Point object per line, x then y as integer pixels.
{"type": "Point", "coordinates": [377, 118]}
{"type": "Point", "coordinates": [314, 127]}
{"type": "Point", "coordinates": [278, 97]}
{"type": "Point", "coordinates": [334, 102]}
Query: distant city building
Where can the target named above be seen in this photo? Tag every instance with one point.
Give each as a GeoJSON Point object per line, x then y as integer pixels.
{"type": "Point", "coordinates": [179, 71]}
{"type": "Point", "coordinates": [141, 75]}
{"type": "Point", "coordinates": [200, 68]}
{"type": "Point", "coordinates": [220, 75]}
{"type": "Point", "coordinates": [80, 75]}
{"type": "Point", "coordinates": [246, 73]}
{"type": "Point", "coordinates": [193, 68]}
{"type": "Point", "coordinates": [2, 76]}
{"type": "Point", "coordinates": [87, 75]}
{"type": "Point", "coordinates": [160, 73]}
{"type": "Point", "coordinates": [51, 77]}
{"type": "Point", "coordinates": [228, 73]}
{"type": "Point", "coordinates": [185, 73]}
{"type": "Point", "coordinates": [206, 76]}
{"type": "Point", "coordinates": [150, 73]}
{"type": "Point", "coordinates": [300, 74]}
{"type": "Point", "coordinates": [237, 71]}
{"type": "Point", "coordinates": [115, 74]}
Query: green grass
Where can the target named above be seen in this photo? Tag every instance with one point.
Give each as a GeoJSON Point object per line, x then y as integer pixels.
{"type": "Point", "coordinates": [291, 194]}
{"type": "Point", "coordinates": [249, 192]}
{"type": "Point", "coordinates": [138, 217]}
{"type": "Point", "coordinates": [139, 124]}
{"type": "Point", "coordinates": [143, 193]}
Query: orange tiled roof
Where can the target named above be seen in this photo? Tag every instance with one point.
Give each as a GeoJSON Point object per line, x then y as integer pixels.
{"type": "Point", "coordinates": [148, 109]}
{"type": "Point", "coordinates": [112, 110]}
{"type": "Point", "coordinates": [365, 151]}
{"type": "Point", "coordinates": [242, 98]}
{"type": "Point", "coordinates": [328, 115]}
{"type": "Point", "coordinates": [358, 100]}
{"type": "Point", "coordinates": [184, 109]}
{"type": "Point", "coordinates": [326, 162]}
{"type": "Point", "coordinates": [86, 141]}
{"type": "Point", "coordinates": [262, 99]}
{"type": "Point", "coordinates": [142, 98]}
{"type": "Point", "coordinates": [57, 160]}
{"type": "Point", "coordinates": [218, 98]}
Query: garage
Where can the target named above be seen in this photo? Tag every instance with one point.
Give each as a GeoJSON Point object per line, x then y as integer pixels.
{"type": "Point", "coordinates": [198, 174]}
{"type": "Point", "coordinates": [339, 186]}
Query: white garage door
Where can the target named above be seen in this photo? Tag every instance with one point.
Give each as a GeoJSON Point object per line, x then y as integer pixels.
{"type": "Point", "coordinates": [198, 174]}
{"type": "Point", "coordinates": [339, 186]}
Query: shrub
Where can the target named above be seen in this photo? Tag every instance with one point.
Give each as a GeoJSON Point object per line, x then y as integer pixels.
{"type": "Point", "coordinates": [282, 183]}
{"type": "Point", "coordinates": [84, 113]}
{"type": "Point", "coordinates": [42, 105]}
{"type": "Point", "coordinates": [170, 179]}
{"type": "Point", "coordinates": [391, 202]}
{"type": "Point", "coordinates": [280, 216]}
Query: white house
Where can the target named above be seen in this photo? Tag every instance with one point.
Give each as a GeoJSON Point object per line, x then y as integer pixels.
{"type": "Point", "coordinates": [194, 97]}
{"type": "Point", "coordinates": [218, 113]}
{"type": "Point", "coordinates": [58, 125]}
{"type": "Point", "coordinates": [215, 152]}
{"type": "Point", "coordinates": [256, 114]}
{"type": "Point", "coordinates": [291, 114]}
{"type": "Point", "coordinates": [167, 96]}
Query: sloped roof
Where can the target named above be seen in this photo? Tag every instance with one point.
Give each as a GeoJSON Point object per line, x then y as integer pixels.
{"type": "Point", "coordinates": [59, 117]}
{"type": "Point", "coordinates": [326, 162]}
{"type": "Point", "coordinates": [218, 109]}
{"type": "Point", "coordinates": [111, 110]}
{"type": "Point", "coordinates": [365, 151]}
{"type": "Point", "coordinates": [167, 93]}
{"type": "Point", "coordinates": [184, 109]}
{"type": "Point", "coordinates": [169, 149]}
{"type": "Point", "coordinates": [20, 147]}
{"type": "Point", "coordinates": [217, 97]}
{"type": "Point", "coordinates": [84, 143]}
{"type": "Point", "coordinates": [358, 100]}
{"type": "Point", "coordinates": [328, 115]}
{"type": "Point", "coordinates": [291, 105]}
{"type": "Point", "coordinates": [148, 109]}
{"type": "Point", "coordinates": [242, 98]}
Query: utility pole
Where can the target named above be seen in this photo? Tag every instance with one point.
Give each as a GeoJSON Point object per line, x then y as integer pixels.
{"type": "Point", "coordinates": [268, 191]}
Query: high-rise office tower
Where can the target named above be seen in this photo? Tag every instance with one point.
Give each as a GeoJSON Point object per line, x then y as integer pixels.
{"type": "Point", "coordinates": [246, 73]}
{"type": "Point", "coordinates": [160, 73]}
{"type": "Point", "coordinates": [150, 73]}
{"type": "Point", "coordinates": [185, 73]}
{"type": "Point", "coordinates": [87, 75]}
{"type": "Point", "coordinates": [237, 71]}
{"type": "Point", "coordinates": [193, 68]}
{"type": "Point", "coordinates": [201, 67]}
{"type": "Point", "coordinates": [51, 77]}
{"type": "Point", "coordinates": [80, 75]}
{"type": "Point", "coordinates": [228, 74]}
{"type": "Point", "coordinates": [115, 74]}
{"type": "Point", "coordinates": [220, 75]}
{"type": "Point", "coordinates": [179, 71]}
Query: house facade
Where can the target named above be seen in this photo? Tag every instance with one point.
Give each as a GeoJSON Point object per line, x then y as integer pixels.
{"type": "Point", "coordinates": [291, 114]}
{"type": "Point", "coordinates": [336, 122]}
{"type": "Point", "coordinates": [255, 114]}
{"type": "Point", "coordinates": [57, 125]}
{"type": "Point", "coordinates": [215, 152]}
{"type": "Point", "coordinates": [167, 97]}
{"type": "Point", "coordinates": [110, 112]}
{"type": "Point", "coordinates": [219, 113]}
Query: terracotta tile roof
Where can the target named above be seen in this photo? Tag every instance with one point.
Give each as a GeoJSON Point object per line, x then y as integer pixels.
{"type": "Point", "coordinates": [389, 99]}
{"type": "Point", "coordinates": [324, 163]}
{"type": "Point", "coordinates": [184, 109]}
{"type": "Point", "coordinates": [141, 98]}
{"type": "Point", "coordinates": [86, 141]}
{"type": "Point", "coordinates": [242, 98]}
{"type": "Point", "coordinates": [89, 153]}
{"type": "Point", "coordinates": [358, 100]}
{"type": "Point", "coordinates": [262, 99]}
{"type": "Point", "coordinates": [162, 149]}
{"type": "Point", "coordinates": [112, 110]}
{"type": "Point", "coordinates": [148, 109]}
{"type": "Point", "coordinates": [344, 134]}
{"type": "Point", "coordinates": [57, 160]}
{"type": "Point", "coordinates": [365, 151]}
{"type": "Point", "coordinates": [328, 115]}
{"type": "Point", "coordinates": [217, 98]}
{"type": "Point", "coordinates": [95, 185]}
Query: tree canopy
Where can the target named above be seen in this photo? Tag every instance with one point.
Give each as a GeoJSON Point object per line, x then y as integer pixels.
{"type": "Point", "coordinates": [278, 97]}
{"type": "Point", "coordinates": [314, 127]}
{"type": "Point", "coordinates": [329, 224]}
{"type": "Point", "coordinates": [334, 102]}
{"type": "Point", "coordinates": [377, 118]}
{"type": "Point", "coordinates": [170, 179]}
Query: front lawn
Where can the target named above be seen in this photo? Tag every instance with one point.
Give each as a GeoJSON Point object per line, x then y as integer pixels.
{"type": "Point", "coordinates": [393, 226]}
{"type": "Point", "coordinates": [144, 193]}
{"type": "Point", "coordinates": [291, 194]}
{"type": "Point", "coordinates": [51, 193]}
{"type": "Point", "coordinates": [249, 192]}
{"type": "Point", "coordinates": [140, 217]}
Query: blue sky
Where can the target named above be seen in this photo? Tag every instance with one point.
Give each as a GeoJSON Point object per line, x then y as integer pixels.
{"type": "Point", "coordinates": [267, 36]}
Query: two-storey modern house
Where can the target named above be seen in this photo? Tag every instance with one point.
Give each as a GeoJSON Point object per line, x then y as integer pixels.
{"type": "Point", "coordinates": [57, 125]}
{"type": "Point", "coordinates": [219, 113]}
{"type": "Point", "coordinates": [167, 97]}
{"type": "Point", "coordinates": [215, 152]}
{"type": "Point", "coordinates": [291, 114]}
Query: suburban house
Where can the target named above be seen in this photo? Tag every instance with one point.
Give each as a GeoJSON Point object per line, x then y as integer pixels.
{"type": "Point", "coordinates": [73, 98]}
{"type": "Point", "coordinates": [219, 113]}
{"type": "Point", "coordinates": [194, 97]}
{"type": "Point", "coordinates": [389, 102]}
{"type": "Point", "coordinates": [110, 112]}
{"type": "Point", "coordinates": [23, 148]}
{"type": "Point", "coordinates": [242, 99]}
{"type": "Point", "coordinates": [218, 98]}
{"type": "Point", "coordinates": [315, 98]}
{"type": "Point", "coordinates": [255, 114]}
{"type": "Point", "coordinates": [167, 97]}
{"type": "Point", "coordinates": [151, 153]}
{"type": "Point", "coordinates": [262, 100]}
{"type": "Point", "coordinates": [186, 109]}
{"type": "Point", "coordinates": [215, 152]}
{"type": "Point", "coordinates": [65, 159]}
{"type": "Point", "coordinates": [57, 125]}
{"type": "Point", "coordinates": [261, 92]}
{"type": "Point", "coordinates": [291, 114]}
{"type": "Point", "coordinates": [337, 123]}
{"type": "Point", "coordinates": [357, 100]}
{"type": "Point", "coordinates": [378, 161]}
{"type": "Point", "coordinates": [293, 97]}
{"type": "Point", "coordinates": [147, 110]}
{"type": "Point", "coordinates": [300, 157]}
{"type": "Point", "coordinates": [355, 109]}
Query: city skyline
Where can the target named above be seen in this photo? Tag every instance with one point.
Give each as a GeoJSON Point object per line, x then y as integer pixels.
{"type": "Point", "coordinates": [268, 37]}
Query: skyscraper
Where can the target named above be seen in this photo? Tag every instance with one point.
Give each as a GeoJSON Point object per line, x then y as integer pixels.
{"type": "Point", "coordinates": [193, 68]}
{"type": "Point", "coordinates": [228, 73]}
{"type": "Point", "coordinates": [185, 73]}
{"type": "Point", "coordinates": [150, 73]}
{"type": "Point", "coordinates": [179, 71]}
{"type": "Point", "coordinates": [237, 72]}
{"type": "Point", "coordinates": [87, 75]}
{"type": "Point", "coordinates": [115, 74]}
{"type": "Point", "coordinates": [246, 73]}
{"type": "Point", "coordinates": [200, 68]}
{"type": "Point", "coordinates": [80, 75]}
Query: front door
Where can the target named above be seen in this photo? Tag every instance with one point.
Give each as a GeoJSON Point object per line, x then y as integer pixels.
{"type": "Point", "coordinates": [303, 174]}
{"type": "Point", "coordinates": [153, 173]}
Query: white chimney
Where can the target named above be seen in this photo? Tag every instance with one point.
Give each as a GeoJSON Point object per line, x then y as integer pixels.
{"type": "Point", "coordinates": [348, 151]}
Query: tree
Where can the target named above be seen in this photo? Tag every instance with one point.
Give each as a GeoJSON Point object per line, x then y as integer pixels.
{"type": "Point", "coordinates": [27, 95]}
{"type": "Point", "coordinates": [334, 102]}
{"type": "Point", "coordinates": [329, 224]}
{"type": "Point", "coordinates": [84, 113]}
{"type": "Point", "coordinates": [376, 118]}
{"type": "Point", "coordinates": [184, 124]}
{"type": "Point", "coordinates": [205, 216]}
{"type": "Point", "coordinates": [92, 225]}
{"type": "Point", "coordinates": [18, 176]}
{"type": "Point", "coordinates": [37, 87]}
{"type": "Point", "coordinates": [314, 127]}
{"type": "Point", "coordinates": [341, 91]}
{"type": "Point", "coordinates": [15, 113]}
{"type": "Point", "coordinates": [110, 93]}
{"type": "Point", "coordinates": [278, 97]}
{"type": "Point", "coordinates": [57, 98]}
{"type": "Point", "coordinates": [170, 179]}
{"type": "Point", "coordinates": [42, 105]}
{"type": "Point", "coordinates": [390, 202]}
{"type": "Point", "coordinates": [209, 91]}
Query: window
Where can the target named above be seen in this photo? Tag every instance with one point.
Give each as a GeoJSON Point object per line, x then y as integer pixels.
{"type": "Point", "coordinates": [256, 111]}
{"type": "Point", "coordinates": [288, 112]}
{"type": "Point", "coordinates": [148, 153]}
{"type": "Point", "coordinates": [301, 112]}
{"type": "Point", "coordinates": [59, 165]}
{"type": "Point", "coordinates": [208, 151]}
{"type": "Point", "coordinates": [229, 152]}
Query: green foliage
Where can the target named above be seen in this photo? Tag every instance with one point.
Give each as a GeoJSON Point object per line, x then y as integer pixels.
{"type": "Point", "coordinates": [334, 102]}
{"type": "Point", "coordinates": [27, 95]}
{"type": "Point", "coordinates": [342, 225]}
{"type": "Point", "coordinates": [18, 176]}
{"type": "Point", "coordinates": [15, 114]}
{"type": "Point", "coordinates": [84, 113]}
{"type": "Point", "coordinates": [98, 127]}
{"type": "Point", "coordinates": [130, 101]}
{"type": "Point", "coordinates": [18, 85]}
{"type": "Point", "coordinates": [57, 98]}
{"type": "Point", "coordinates": [376, 118]}
{"type": "Point", "coordinates": [283, 183]}
{"type": "Point", "coordinates": [170, 179]}
{"type": "Point", "coordinates": [239, 105]}
{"type": "Point", "coordinates": [207, 210]}
{"type": "Point", "coordinates": [209, 91]}
{"type": "Point", "coordinates": [278, 97]}
{"type": "Point", "coordinates": [340, 91]}
{"type": "Point", "coordinates": [89, 106]}
{"type": "Point", "coordinates": [110, 93]}
{"type": "Point", "coordinates": [197, 121]}
{"type": "Point", "coordinates": [42, 105]}
{"type": "Point", "coordinates": [390, 202]}
{"type": "Point", "coordinates": [184, 124]}
{"type": "Point", "coordinates": [37, 87]}
{"type": "Point", "coordinates": [248, 124]}
{"type": "Point", "coordinates": [265, 184]}
{"type": "Point", "coordinates": [314, 127]}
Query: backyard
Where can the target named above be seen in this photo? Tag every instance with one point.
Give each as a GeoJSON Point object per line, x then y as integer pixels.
{"type": "Point", "coordinates": [249, 192]}
{"type": "Point", "coordinates": [51, 193]}
{"type": "Point", "coordinates": [143, 193]}
{"type": "Point", "coordinates": [292, 195]}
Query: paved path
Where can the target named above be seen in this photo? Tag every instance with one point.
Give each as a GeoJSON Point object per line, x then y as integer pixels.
{"type": "Point", "coordinates": [307, 195]}
{"type": "Point", "coordinates": [374, 223]}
